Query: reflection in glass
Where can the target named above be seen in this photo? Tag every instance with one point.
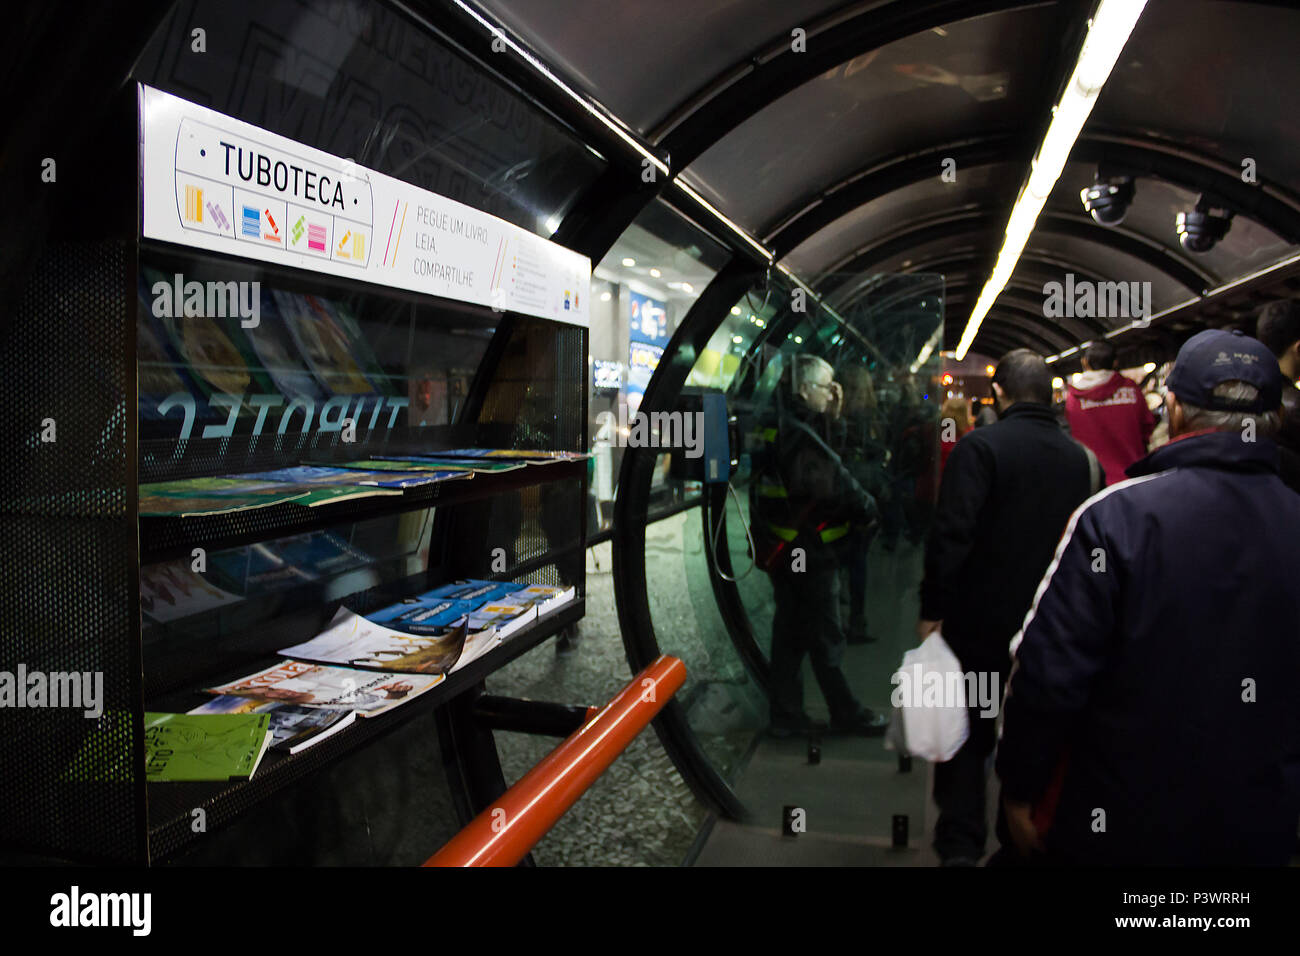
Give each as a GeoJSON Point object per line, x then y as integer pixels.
{"type": "Point", "coordinates": [818, 541]}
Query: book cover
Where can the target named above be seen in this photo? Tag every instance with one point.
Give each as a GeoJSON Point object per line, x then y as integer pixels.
{"type": "Point", "coordinates": [421, 462]}
{"type": "Point", "coordinates": [473, 590]}
{"type": "Point", "coordinates": [322, 553]}
{"type": "Point", "coordinates": [187, 747]}
{"type": "Point", "coordinates": [360, 642]}
{"type": "Point", "coordinates": [423, 614]}
{"type": "Point", "coordinates": [523, 454]}
{"type": "Point", "coordinates": [369, 693]}
{"type": "Point", "coordinates": [542, 596]}
{"type": "Point", "coordinates": [322, 484]}
{"type": "Point", "coordinates": [324, 345]}
{"type": "Point", "coordinates": [398, 479]}
{"type": "Point", "coordinates": [293, 728]}
{"type": "Point", "coordinates": [504, 618]}
{"type": "Point", "coordinates": [477, 643]}
{"type": "Point", "coordinates": [207, 496]}
{"type": "Point", "coordinates": [273, 346]}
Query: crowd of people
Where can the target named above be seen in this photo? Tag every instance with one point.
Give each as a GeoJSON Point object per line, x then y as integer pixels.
{"type": "Point", "coordinates": [1124, 573]}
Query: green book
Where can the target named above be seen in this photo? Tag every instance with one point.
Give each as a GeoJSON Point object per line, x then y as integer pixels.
{"type": "Point", "coordinates": [204, 746]}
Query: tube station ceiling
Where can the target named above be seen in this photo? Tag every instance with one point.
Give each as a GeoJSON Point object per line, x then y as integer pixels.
{"type": "Point", "coordinates": [895, 136]}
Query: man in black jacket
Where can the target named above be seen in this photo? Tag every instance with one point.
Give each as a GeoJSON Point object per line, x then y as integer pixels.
{"type": "Point", "coordinates": [804, 501]}
{"type": "Point", "coordinates": [1007, 492]}
{"type": "Point", "coordinates": [1152, 716]}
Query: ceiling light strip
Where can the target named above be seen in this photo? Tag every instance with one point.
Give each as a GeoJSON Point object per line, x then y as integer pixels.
{"type": "Point", "coordinates": [1108, 31]}
{"type": "Point", "coordinates": [617, 128]}
{"type": "Point", "coordinates": [717, 214]}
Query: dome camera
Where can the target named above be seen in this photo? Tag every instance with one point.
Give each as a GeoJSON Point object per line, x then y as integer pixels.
{"type": "Point", "coordinates": [1108, 199]}
{"type": "Point", "coordinates": [1200, 229]}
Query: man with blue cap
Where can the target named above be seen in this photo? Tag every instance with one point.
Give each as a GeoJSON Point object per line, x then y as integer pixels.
{"type": "Point", "coordinates": [1152, 715]}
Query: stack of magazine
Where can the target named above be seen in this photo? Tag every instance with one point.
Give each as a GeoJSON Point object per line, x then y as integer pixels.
{"type": "Point", "coordinates": [360, 666]}
{"type": "Point", "coordinates": [313, 485]}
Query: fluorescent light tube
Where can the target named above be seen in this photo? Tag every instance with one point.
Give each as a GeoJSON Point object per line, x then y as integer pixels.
{"type": "Point", "coordinates": [1108, 31]}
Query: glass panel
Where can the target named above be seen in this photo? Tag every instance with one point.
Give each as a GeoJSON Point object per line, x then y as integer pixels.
{"type": "Point", "coordinates": [641, 291]}
{"type": "Point", "coordinates": [332, 373]}
{"type": "Point", "coordinates": [223, 394]}
{"type": "Point", "coordinates": [358, 80]}
{"type": "Point", "coordinates": [825, 521]}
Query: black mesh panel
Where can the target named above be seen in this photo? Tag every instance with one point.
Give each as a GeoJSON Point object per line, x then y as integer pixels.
{"type": "Point", "coordinates": [67, 568]}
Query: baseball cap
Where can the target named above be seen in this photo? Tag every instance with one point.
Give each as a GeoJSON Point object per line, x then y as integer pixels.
{"type": "Point", "coordinates": [1216, 356]}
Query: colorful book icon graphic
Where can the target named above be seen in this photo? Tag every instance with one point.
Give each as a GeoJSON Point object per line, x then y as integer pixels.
{"type": "Point", "coordinates": [218, 216]}
{"type": "Point", "coordinates": [251, 222]}
{"type": "Point", "coordinates": [193, 204]}
{"type": "Point", "coordinates": [274, 234]}
{"type": "Point", "coordinates": [298, 229]}
{"type": "Point", "coordinates": [359, 246]}
{"type": "Point", "coordinates": [343, 242]}
{"type": "Point", "coordinates": [316, 238]}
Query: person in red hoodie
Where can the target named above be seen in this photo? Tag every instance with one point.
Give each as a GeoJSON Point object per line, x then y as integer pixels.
{"type": "Point", "coordinates": [1107, 412]}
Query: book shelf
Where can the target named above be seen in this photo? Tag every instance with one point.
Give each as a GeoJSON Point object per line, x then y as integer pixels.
{"type": "Point", "coordinates": [172, 805]}
{"type": "Point", "coordinates": [153, 402]}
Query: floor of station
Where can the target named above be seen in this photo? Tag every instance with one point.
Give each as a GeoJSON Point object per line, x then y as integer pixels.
{"type": "Point", "coordinates": [640, 812]}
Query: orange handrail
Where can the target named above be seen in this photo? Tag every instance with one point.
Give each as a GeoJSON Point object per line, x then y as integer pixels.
{"type": "Point", "coordinates": [503, 834]}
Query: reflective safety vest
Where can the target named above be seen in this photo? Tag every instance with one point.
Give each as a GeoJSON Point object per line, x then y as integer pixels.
{"type": "Point", "coordinates": [769, 488]}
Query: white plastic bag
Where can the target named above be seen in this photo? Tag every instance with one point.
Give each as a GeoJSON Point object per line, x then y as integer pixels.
{"type": "Point", "coordinates": [929, 698]}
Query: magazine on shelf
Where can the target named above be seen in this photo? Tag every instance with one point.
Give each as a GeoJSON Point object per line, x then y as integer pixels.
{"type": "Point", "coordinates": [477, 643]}
{"type": "Point", "coordinates": [293, 728]}
{"type": "Point", "coordinates": [502, 616]}
{"type": "Point", "coordinates": [544, 597]}
{"type": "Point", "coordinates": [432, 463]}
{"type": "Point", "coordinates": [430, 614]}
{"type": "Point", "coordinates": [207, 496]}
{"type": "Point", "coordinates": [333, 483]}
{"type": "Point", "coordinates": [273, 346]}
{"type": "Point", "coordinates": [413, 479]}
{"type": "Point", "coordinates": [206, 347]}
{"type": "Point", "coordinates": [425, 614]}
{"type": "Point", "coordinates": [319, 485]}
{"type": "Point", "coordinates": [174, 590]}
{"type": "Point", "coordinates": [188, 747]}
{"type": "Point", "coordinates": [529, 455]}
{"type": "Point", "coordinates": [333, 688]}
{"type": "Point", "coordinates": [360, 642]}
{"type": "Point", "coordinates": [267, 566]}
{"type": "Point", "coordinates": [473, 590]}
{"type": "Point", "coordinates": [319, 339]}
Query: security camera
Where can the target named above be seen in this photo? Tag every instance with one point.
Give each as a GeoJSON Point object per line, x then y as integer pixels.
{"type": "Point", "coordinates": [1108, 199]}
{"type": "Point", "coordinates": [1200, 229]}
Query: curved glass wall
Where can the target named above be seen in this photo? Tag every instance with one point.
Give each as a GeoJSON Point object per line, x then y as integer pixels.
{"type": "Point", "coordinates": [641, 292]}
{"type": "Point", "coordinates": [640, 811]}
{"type": "Point", "coordinates": [813, 551]}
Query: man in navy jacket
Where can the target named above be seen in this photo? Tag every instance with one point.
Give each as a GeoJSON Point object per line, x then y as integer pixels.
{"type": "Point", "coordinates": [1152, 715]}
